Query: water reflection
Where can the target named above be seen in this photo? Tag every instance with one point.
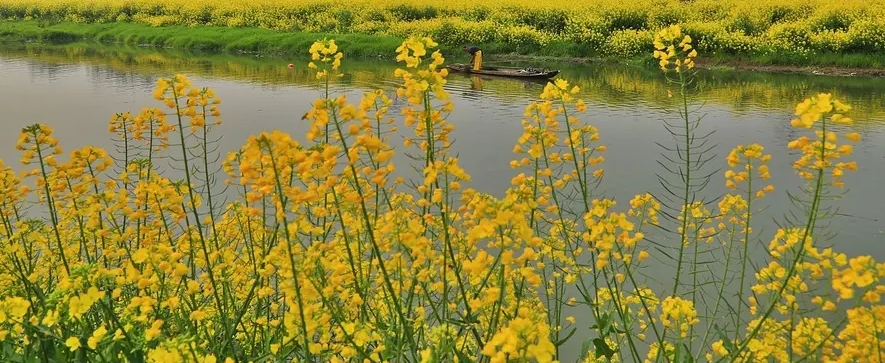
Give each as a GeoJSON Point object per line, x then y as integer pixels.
{"type": "Point", "coordinates": [603, 82]}
{"type": "Point", "coordinates": [476, 83]}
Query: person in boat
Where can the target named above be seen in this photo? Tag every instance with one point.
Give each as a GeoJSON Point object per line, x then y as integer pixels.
{"type": "Point", "coordinates": [475, 57]}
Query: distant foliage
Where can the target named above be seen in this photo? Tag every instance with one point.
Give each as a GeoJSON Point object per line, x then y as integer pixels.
{"type": "Point", "coordinates": [790, 27]}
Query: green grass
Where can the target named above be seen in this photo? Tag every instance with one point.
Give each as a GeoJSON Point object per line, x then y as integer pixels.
{"type": "Point", "coordinates": [199, 39]}
{"type": "Point", "coordinates": [270, 42]}
{"type": "Point", "coordinates": [244, 40]}
{"type": "Point", "coordinates": [233, 40]}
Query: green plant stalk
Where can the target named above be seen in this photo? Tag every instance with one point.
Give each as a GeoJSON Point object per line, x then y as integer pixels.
{"type": "Point", "coordinates": [248, 234]}
{"type": "Point", "coordinates": [100, 214]}
{"type": "Point", "coordinates": [683, 237]}
{"type": "Point", "coordinates": [694, 282]}
{"type": "Point", "coordinates": [565, 236]}
{"type": "Point", "coordinates": [582, 183]}
{"type": "Point", "coordinates": [18, 263]}
{"type": "Point", "coordinates": [338, 322]}
{"type": "Point", "coordinates": [448, 250]}
{"type": "Point", "coordinates": [659, 335]}
{"type": "Point", "coordinates": [451, 251]}
{"type": "Point", "coordinates": [113, 221]}
{"type": "Point", "coordinates": [719, 294]}
{"type": "Point", "coordinates": [205, 156]}
{"type": "Point", "coordinates": [49, 202]}
{"type": "Point", "coordinates": [493, 326]}
{"type": "Point", "coordinates": [125, 158]}
{"type": "Point", "coordinates": [745, 257]}
{"type": "Point", "coordinates": [350, 257]}
{"type": "Point", "coordinates": [283, 203]}
{"type": "Point", "coordinates": [190, 190]}
{"type": "Point", "coordinates": [876, 334]}
{"type": "Point", "coordinates": [79, 220]}
{"type": "Point", "coordinates": [613, 285]}
{"type": "Point", "coordinates": [211, 204]}
{"type": "Point", "coordinates": [552, 321]}
{"type": "Point", "coordinates": [429, 160]}
{"type": "Point", "coordinates": [809, 227]}
{"type": "Point", "coordinates": [616, 300]}
{"type": "Point", "coordinates": [370, 232]}
{"type": "Point", "coordinates": [192, 255]}
{"type": "Point", "coordinates": [568, 127]}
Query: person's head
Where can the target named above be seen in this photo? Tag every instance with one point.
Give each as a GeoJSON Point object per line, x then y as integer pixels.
{"type": "Point", "coordinates": [465, 49]}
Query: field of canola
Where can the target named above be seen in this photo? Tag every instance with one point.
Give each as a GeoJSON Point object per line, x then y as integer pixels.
{"type": "Point", "coordinates": [787, 28]}
{"type": "Point", "coordinates": [326, 255]}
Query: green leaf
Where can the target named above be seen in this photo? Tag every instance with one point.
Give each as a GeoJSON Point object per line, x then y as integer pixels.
{"type": "Point", "coordinates": [604, 324]}
{"type": "Point", "coordinates": [462, 357]}
{"type": "Point", "coordinates": [602, 348]}
{"type": "Point", "coordinates": [136, 356]}
{"type": "Point", "coordinates": [567, 337]}
{"type": "Point", "coordinates": [688, 357]}
{"type": "Point", "coordinates": [585, 349]}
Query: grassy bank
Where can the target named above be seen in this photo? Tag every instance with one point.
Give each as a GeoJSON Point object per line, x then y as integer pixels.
{"type": "Point", "coordinates": [778, 30]}
{"type": "Point", "coordinates": [215, 39]}
{"type": "Point", "coordinates": [201, 39]}
{"type": "Point", "coordinates": [212, 39]}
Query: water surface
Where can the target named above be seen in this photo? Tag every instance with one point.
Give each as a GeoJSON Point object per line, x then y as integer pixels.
{"type": "Point", "coordinates": [76, 89]}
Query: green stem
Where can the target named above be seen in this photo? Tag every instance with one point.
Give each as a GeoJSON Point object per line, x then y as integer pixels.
{"type": "Point", "coordinates": [283, 202]}
{"type": "Point", "coordinates": [745, 257]}
{"type": "Point", "coordinates": [809, 228]}
{"type": "Point", "coordinates": [682, 234]}
{"type": "Point", "coordinates": [49, 202]}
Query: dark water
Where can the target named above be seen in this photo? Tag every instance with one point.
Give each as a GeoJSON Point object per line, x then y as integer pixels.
{"type": "Point", "coordinates": [76, 89]}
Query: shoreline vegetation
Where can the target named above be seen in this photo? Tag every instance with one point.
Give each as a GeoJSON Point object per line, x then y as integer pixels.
{"type": "Point", "coordinates": [782, 36]}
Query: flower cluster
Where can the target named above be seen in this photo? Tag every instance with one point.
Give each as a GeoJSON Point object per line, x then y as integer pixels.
{"type": "Point", "coordinates": [326, 52]}
{"type": "Point", "coordinates": [524, 338]}
{"type": "Point", "coordinates": [678, 314]}
{"type": "Point", "coordinates": [748, 154]}
{"type": "Point", "coordinates": [823, 152]}
{"type": "Point", "coordinates": [674, 50]}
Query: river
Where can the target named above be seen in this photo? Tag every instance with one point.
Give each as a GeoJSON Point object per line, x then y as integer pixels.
{"type": "Point", "coordinates": [77, 88]}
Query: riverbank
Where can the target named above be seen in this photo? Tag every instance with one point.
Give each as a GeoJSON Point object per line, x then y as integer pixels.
{"type": "Point", "coordinates": [198, 39]}
{"type": "Point", "coordinates": [264, 42]}
{"type": "Point", "coordinates": [214, 39]}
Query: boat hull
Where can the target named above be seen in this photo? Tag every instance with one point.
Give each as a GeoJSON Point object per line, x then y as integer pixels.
{"type": "Point", "coordinates": [504, 72]}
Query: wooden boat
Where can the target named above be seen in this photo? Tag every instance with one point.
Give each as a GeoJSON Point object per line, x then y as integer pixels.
{"type": "Point", "coordinates": [529, 73]}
